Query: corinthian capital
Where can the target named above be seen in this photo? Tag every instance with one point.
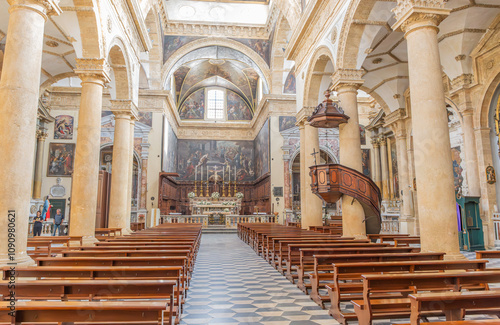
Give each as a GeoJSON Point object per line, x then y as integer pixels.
{"type": "Point", "coordinates": [413, 13]}
{"type": "Point", "coordinates": [124, 107]}
{"type": "Point", "coordinates": [93, 69]}
{"type": "Point", "coordinates": [352, 78]}
{"type": "Point", "coordinates": [43, 7]}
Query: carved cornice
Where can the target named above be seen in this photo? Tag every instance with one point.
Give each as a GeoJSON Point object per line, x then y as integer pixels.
{"type": "Point", "coordinates": [303, 115]}
{"type": "Point", "coordinates": [175, 27]}
{"type": "Point", "coordinates": [220, 30]}
{"type": "Point", "coordinates": [310, 29]}
{"type": "Point", "coordinates": [462, 82]}
{"type": "Point", "coordinates": [93, 68]}
{"type": "Point", "coordinates": [411, 14]}
{"type": "Point", "coordinates": [124, 107]}
{"type": "Point", "coordinates": [48, 7]}
{"type": "Point", "coordinates": [347, 78]}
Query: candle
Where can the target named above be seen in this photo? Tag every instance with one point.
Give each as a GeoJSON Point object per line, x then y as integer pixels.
{"type": "Point", "coordinates": [229, 173]}
{"type": "Point", "coordinates": [195, 173]}
{"type": "Point", "coordinates": [223, 175]}
{"type": "Point", "coordinates": [235, 173]}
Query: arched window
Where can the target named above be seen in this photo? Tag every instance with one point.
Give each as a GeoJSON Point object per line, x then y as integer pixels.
{"type": "Point", "coordinates": [215, 104]}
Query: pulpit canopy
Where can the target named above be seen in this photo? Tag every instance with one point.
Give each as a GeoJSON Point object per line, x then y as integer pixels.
{"type": "Point", "coordinates": [327, 114]}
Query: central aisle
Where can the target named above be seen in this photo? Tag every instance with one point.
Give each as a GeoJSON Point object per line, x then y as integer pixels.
{"type": "Point", "coordinates": [232, 285]}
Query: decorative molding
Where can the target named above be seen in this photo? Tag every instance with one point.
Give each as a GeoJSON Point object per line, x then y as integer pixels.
{"type": "Point", "coordinates": [461, 82]}
{"type": "Point", "coordinates": [93, 68]}
{"type": "Point", "coordinates": [125, 107]}
{"type": "Point", "coordinates": [411, 12]}
{"type": "Point", "coordinates": [458, 32]}
{"type": "Point", "coordinates": [347, 77]}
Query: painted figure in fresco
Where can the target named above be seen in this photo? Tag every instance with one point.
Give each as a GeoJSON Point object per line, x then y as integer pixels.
{"type": "Point", "coordinates": [63, 127]}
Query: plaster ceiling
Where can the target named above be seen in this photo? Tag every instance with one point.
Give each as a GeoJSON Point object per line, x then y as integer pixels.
{"type": "Point", "coordinates": [58, 52]}
{"type": "Point", "coordinates": [383, 52]}
{"type": "Point", "coordinates": [254, 12]}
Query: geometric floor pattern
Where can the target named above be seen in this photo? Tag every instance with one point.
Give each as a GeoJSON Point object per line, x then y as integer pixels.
{"type": "Point", "coordinates": [232, 285]}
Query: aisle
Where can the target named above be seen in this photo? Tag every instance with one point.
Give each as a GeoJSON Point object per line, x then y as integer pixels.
{"type": "Point", "coordinates": [232, 285]}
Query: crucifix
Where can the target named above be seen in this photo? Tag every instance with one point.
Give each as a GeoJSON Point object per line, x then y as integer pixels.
{"type": "Point", "coordinates": [314, 153]}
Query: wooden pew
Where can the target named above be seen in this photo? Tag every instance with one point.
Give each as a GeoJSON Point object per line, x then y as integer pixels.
{"type": "Point", "coordinates": [368, 309]}
{"type": "Point", "coordinates": [87, 312]}
{"type": "Point", "coordinates": [453, 304]}
{"type": "Point", "coordinates": [406, 241]}
{"type": "Point", "coordinates": [315, 261]}
{"type": "Point", "coordinates": [323, 265]}
{"type": "Point", "coordinates": [346, 283]}
{"type": "Point", "coordinates": [43, 246]}
{"type": "Point", "coordinates": [487, 254]}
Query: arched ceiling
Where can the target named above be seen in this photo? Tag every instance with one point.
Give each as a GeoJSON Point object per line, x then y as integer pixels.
{"type": "Point", "coordinates": [58, 58]}
{"type": "Point", "coordinates": [232, 75]}
{"type": "Point", "coordinates": [382, 52]}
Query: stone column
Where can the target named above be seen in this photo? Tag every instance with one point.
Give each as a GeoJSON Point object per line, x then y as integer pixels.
{"type": "Point", "coordinates": [144, 175]}
{"type": "Point", "coordinates": [384, 166]}
{"type": "Point", "coordinates": [130, 171]}
{"type": "Point", "coordinates": [376, 163]}
{"type": "Point", "coordinates": [346, 82]}
{"type": "Point", "coordinates": [436, 201]}
{"type": "Point", "coordinates": [94, 73]}
{"type": "Point", "coordinates": [311, 204]}
{"type": "Point", "coordinates": [19, 91]}
{"type": "Point", "coordinates": [123, 110]}
{"type": "Point", "coordinates": [406, 220]}
{"type": "Point", "coordinates": [41, 135]}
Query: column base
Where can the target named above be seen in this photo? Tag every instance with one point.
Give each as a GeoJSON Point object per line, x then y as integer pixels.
{"type": "Point", "coordinates": [126, 231]}
{"type": "Point", "coordinates": [89, 240]}
{"type": "Point", "coordinates": [22, 260]}
{"type": "Point", "coordinates": [454, 257]}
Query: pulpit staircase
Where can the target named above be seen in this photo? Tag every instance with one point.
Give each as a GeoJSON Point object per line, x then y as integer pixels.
{"type": "Point", "coordinates": [332, 181]}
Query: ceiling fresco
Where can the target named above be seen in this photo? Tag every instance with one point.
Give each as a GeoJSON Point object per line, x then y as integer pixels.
{"type": "Point", "coordinates": [235, 76]}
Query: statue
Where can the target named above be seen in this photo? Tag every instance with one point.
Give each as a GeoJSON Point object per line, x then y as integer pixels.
{"type": "Point", "coordinates": [490, 175]}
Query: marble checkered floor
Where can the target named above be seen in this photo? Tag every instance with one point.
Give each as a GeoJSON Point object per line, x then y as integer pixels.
{"type": "Point", "coordinates": [232, 285]}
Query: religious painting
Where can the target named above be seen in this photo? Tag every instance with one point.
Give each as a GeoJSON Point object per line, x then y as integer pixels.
{"type": "Point", "coordinates": [287, 122]}
{"type": "Point", "coordinates": [201, 159]}
{"type": "Point", "coordinates": [290, 87]}
{"type": "Point", "coordinates": [146, 118]}
{"type": "Point", "coordinates": [172, 43]}
{"type": "Point", "coordinates": [262, 151]}
{"type": "Point", "coordinates": [366, 162]}
{"type": "Point", "coordinates": [63, 127]}
{"type": "Point", "coordinates": [179, 76]}
{"type": "Point", "coordinates": [362, 134]}
{"type": "Point", "coordinates": [395, 171]}
{"type": "Point", "coordinates": [253, 81]}
{"type": "Point", "coordinates": [261, 47]}
{"type": "Point", "coordinates": [193, 107]}
{"type": "Point", "coordinates": [61, 157]}
{"type": "Point", "coordinates": [457, 168]}
{"type": "Point", "coordinates": [237, 109]}
{"type": "Point", "coordinates": [169, 163]}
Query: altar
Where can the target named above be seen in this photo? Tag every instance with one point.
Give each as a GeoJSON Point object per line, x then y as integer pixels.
{"type": "Point", "coordinates": [216, 209]}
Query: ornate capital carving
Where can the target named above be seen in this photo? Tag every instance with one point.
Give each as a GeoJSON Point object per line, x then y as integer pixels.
{"type": "Point", "coordinates": [347, 78]}
{"type": "Point", "coordinates": [93, 70]}
{"type": "Point", "coordinates": [41, 135]}
{"type": "Point", "coordinates": [303, 115]}
{"type": "Point", "coordinates": [412, 14]}
{"type": "Point", "coordinates": [124, 108]}
{"type": "Point", "coordinates": [375, 143]}
{"type": "Point", "coordinates": [43, 7]}
{"type": "Point", "coordinates": [463, 81]}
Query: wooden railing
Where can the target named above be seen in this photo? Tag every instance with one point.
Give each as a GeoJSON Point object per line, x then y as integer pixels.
{"type": "Point", "coordinates": [48, 228]}
{"type": "Point", "coordinates": [231, 221]}
{"type": "Point", "coordinates": [332, 181]}
{"type": "Point", "coordinates": [496, 228]}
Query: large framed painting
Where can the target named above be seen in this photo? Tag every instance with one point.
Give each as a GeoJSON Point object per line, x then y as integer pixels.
{"type": "Point", "coordinates": [63, 127]}
{"type": "Point", "coordinates": [287, 122]}
{"type": "Point", "coordinates": [61, 159]}
{"type": "Point", "coordinates": [262, 151]}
